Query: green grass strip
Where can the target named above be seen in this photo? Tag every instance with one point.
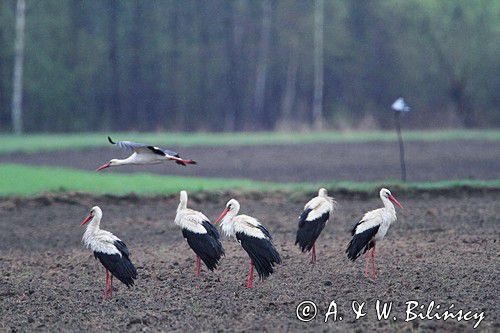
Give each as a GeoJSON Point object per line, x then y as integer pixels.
{"type": "Point", "coordinates": [47, 142]}
{"type": "Point", "coordinates": [25, 180]}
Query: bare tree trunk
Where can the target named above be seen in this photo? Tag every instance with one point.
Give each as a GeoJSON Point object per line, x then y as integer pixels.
{"type": "Point", "coordinates": [457, 82]}
{"type": "Point", "coordinates": [178, 106]}
{"type": "Point", "coordinates": [260, 82]}
{"type": "Point", "coordinates": [202, 107]}
{"type": "Point", "coordinates": [290, 88]}
{"type": "Point", "coordinates": [76, 98]}
{"type": "Point", "coordinates": [136, 113]}
{"type": "Point", "coordinates": [3, 113]}
{"type": "Point", "coordinates": [461, 100]}
{"type": "Point", "coordinates": [117, 117]}
{"type": "Point", "coordinates": [234, 115]}
{"type": "Point", "coordinates": [17, 92]}
{"type": "Point", "coordinates": [317, 116]}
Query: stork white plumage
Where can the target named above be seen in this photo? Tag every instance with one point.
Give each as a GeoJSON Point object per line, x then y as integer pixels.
{"type": "Point", "coordinates": [110, 250]}
{"type": "Point", "coordinates": [201, 235]}
{"type": "Point", "coordinates": [371, 229]}
{"type": "Point", "coordinates": [312, 221]}
{"type": "Point", "coordinates": [253, 237]}
{"type": "Point", "coordinates": [144, 154]}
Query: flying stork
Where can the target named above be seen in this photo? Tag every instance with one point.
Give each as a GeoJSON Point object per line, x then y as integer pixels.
{"type": "Point", "coordinates": [201, 235]}
{"type": "Point", "coordinates": [253, 237]}
{"type": "Point", "coordinates": [110, 250]}
{"type": "Point", "coordinates": [371, 229]}
{"type": "Point", "coordinates": [144, 154]}
{"type": "Point", "coordinates": [313, 219]}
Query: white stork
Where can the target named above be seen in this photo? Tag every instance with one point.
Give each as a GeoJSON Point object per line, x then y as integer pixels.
{"type": "Point", "coordinates": [253, 237]}
{"type": "Point", "coordinates": [201, 235]}
{"type": "Point", "coordinates": [110, 250]}
{"type": "Point", "coordinates": [313, 219]}
{"type": "Point", "coordinates": [144, 154]}
{"type": "Point", "coordinates": [371, 229]}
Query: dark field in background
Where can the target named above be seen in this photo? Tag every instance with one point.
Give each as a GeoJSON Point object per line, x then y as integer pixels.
{"type": "Point", "coordinates": [426, 161]}
{"type": "Point", "coordinates": [442, 248]}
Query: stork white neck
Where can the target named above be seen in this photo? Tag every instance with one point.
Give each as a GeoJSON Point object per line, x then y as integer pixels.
{"type": "Point", "coordinates": [387, 203]}
{"type": "Point", "coordinates": [323, 193]}
{"type": "Point", "coordinates": [128, 160]}
{"type": "Point", "coordinates": [94, 224]}
{"type": "Point", "coordinates": [227, 224]}
{"type": "Point", "coordinates": [182, 201]}
{"type": "Point", "coordinates": [92, 227]}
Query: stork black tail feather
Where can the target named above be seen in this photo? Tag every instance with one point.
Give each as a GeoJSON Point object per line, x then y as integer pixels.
{"type": "Point", "coordinates": [213, 255]}
{"type": "Point", "coordinates": [360, 243]}
{"type": "Point", "coordinates": [309, 231]}
{"type": "Point", "coordinates": [211, 260]}
{"type": "Point", "coordinates": [120, 266]}
{"type": "Point", "coordinates": [262, 253]}
{"type": "Point", "coordinates": [111, 141]}
{"type": "Point", "coordinates": [207, 246]}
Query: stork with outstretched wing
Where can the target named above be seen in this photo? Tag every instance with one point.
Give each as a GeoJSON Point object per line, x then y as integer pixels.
{"type": "Point", "coordinates": [144, 154]}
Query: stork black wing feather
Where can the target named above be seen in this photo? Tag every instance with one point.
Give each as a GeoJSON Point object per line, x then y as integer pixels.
{"type": "Point", "coordinates": [303, 217]}
{"type": "Point", "coordinates": [361, 242]}
{"type": "Point", "coordinates": [353, 230]}
{"type": "Point", "coordinates": [265, 231]}
{"type": "Point", "coordinates": [156, 150]}
{"type": "Point", "coordinates": [119, 265]}
{"type": "Point", "coordinates": [309, 231]}
{"type": "Point", "coordinates": [262, 252]}
{"type": "Point", "coordinates": [122, 247]}
{"type": "Point", "coordinates": [211, 229]}
{"type": "Point", "coordinates": [207, 247]}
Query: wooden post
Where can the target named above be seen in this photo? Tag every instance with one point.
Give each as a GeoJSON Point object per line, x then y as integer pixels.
{"type": "Point", "coordinates": [401, 145]}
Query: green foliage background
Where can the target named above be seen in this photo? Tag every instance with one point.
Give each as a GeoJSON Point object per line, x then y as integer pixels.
{"type": "Point", "coordinates": [190, 65]}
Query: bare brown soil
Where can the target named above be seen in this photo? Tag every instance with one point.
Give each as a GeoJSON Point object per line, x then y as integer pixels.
{"type": "Point", "coordinates": [307, 162]}
{"type": "Point", "coordinates": [443, 248]}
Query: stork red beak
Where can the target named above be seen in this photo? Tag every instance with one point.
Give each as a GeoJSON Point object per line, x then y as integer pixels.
{"type": "Point", "coordinates": [87, 219]}
{"type": "Point", "coordinates": [222, 215]}
{"type": "Point", "coordinates": [107, 165]}
{"type": "Point", "coordinates": [395, 201]}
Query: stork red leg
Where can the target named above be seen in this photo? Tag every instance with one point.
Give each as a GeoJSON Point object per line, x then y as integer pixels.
{"type": "Point", "coordinates": [313, 254]}
{"type": "Point", "coordinates": [111, 287]}
{"type": "Point", "coordinates": [250, 276]}
{"type": "Point", "coordinates": [106, 289]}
{"type": "Point", "coordinates": [367, 262]}
{"type": "Point", "coordinates": [197, 265]}
{"type": "Point", "coordinates": [374, 274]}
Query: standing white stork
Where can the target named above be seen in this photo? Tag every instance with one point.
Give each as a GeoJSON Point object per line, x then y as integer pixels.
{"type": "Point", "coordinates": [144, 154]}
{"type": "Point", "coordinates": [371, 229]}
{"type": "Point", "coordinates": [253, 237]}
{"type": "Point", "coordinates": [201, 235]}
{"type": "Point", "coordinates": [110, 250]}
{"type": "Point", "coordinates": [313, 219]}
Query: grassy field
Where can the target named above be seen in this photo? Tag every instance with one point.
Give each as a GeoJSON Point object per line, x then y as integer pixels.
{"type": "Point", "coordinates": [29, 180]}
{"type": "Point", "coordinates": [45, 142]}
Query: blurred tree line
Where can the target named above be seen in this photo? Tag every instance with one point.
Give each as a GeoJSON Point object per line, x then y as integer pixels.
{"type": "Point", "coordinates": [252, 64]}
